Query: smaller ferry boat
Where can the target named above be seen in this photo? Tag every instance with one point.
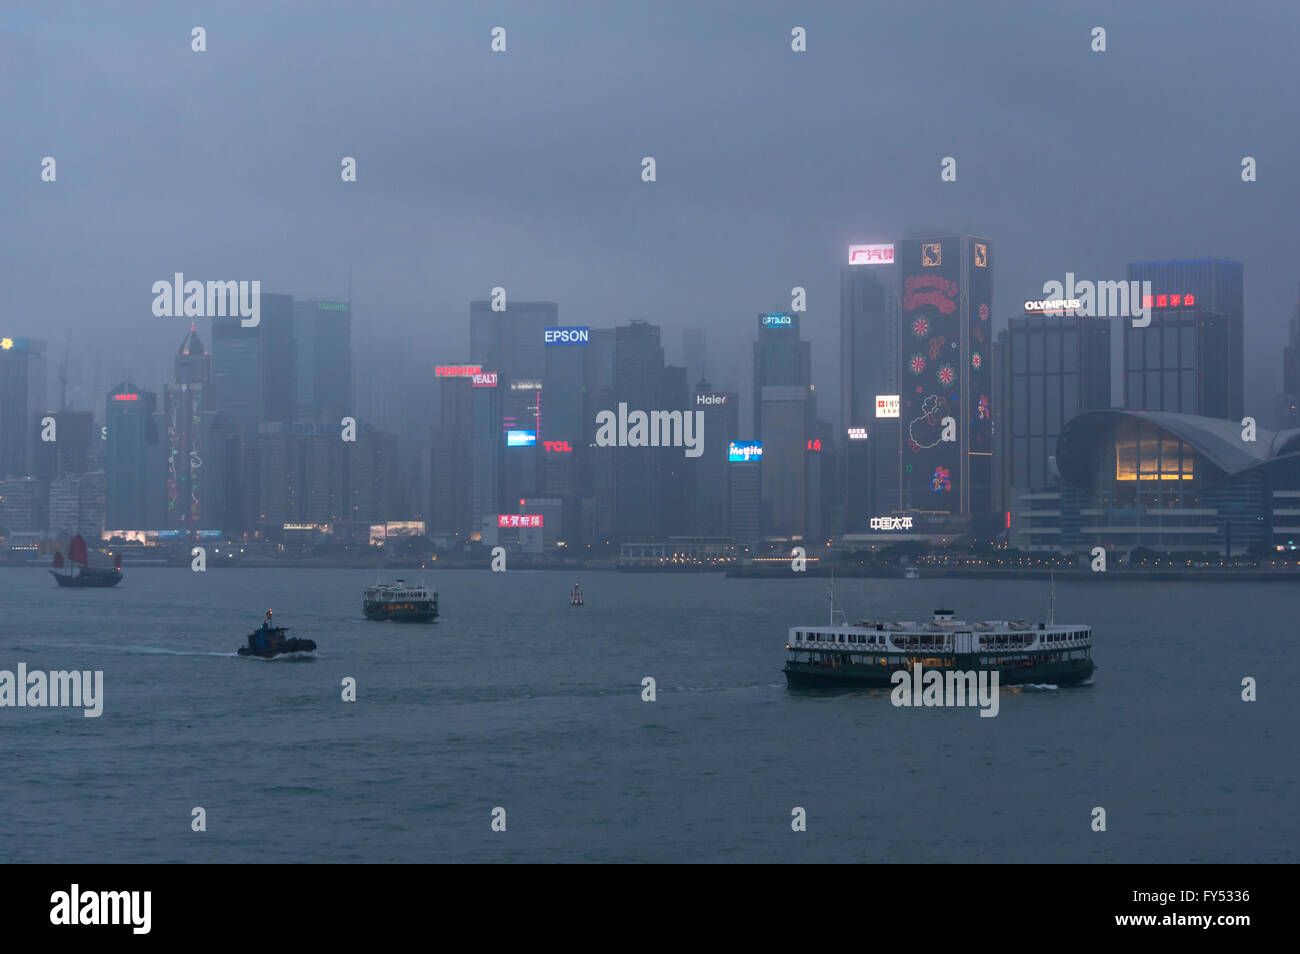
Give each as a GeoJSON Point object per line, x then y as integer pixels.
{"type": "Point", "coordinates": [268, 641]}
{"type": "Point", "coordinates": [85, 575]}
{"type": "Point", "coordinates": [575, 597]}
{"type": "Point", "coordinates": [868, 653]}
{"type": "Point", "coordinates": [401, 602]}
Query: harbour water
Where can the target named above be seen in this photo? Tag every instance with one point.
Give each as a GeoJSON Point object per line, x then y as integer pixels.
{"type": "Point", "coordinates": [515, 699]}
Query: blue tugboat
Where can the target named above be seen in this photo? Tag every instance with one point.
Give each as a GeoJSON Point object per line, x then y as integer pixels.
{"type": "Point", "coordinates": [269, 641]}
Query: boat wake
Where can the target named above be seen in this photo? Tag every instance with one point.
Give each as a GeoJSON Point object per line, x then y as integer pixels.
{"type": "Point", "coordinates": [1040, 686]}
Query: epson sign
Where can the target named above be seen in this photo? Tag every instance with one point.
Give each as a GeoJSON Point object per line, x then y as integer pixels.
{"type": "Point", "coordinates": [567, 336]}
{"type": "Point", "coordinates": [778, 321]}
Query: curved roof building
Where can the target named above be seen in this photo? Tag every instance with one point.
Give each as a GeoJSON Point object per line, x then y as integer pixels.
{"type": "Point", "coordinates": [1101, 450]}
{"type": "Point", "coordinates": [1166, 481]}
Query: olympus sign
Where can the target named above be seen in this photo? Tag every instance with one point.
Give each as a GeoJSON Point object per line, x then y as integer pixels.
{"type": "Point", "coordinates": [1053, 304]}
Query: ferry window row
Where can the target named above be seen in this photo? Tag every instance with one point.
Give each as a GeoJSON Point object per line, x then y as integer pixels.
{"type": "Point", "coordinates": [830, 638]}
{"type": "Point", "coordinates": [1063, 637]}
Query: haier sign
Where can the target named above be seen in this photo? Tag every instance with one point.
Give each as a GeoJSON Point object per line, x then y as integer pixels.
{"type": "Point", "coordinates": [567, 336]}
{"type": "Point", "coordinates": [709, 399]}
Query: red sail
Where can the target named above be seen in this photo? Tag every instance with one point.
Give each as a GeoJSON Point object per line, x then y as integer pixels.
{"type": "Point", "coordinates": [77, 550]}
{"type": "Point", "coordinates": [58, 560]}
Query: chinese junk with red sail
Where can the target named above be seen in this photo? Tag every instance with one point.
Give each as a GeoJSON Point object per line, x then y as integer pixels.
{"type": "Point", "coordinates": [80, 572]}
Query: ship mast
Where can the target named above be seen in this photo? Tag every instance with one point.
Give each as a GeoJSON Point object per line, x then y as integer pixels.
{"type": "Point", "coordinates": [1051, 597]}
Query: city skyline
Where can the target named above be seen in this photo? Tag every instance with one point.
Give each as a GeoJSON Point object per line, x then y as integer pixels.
{"type": "Point", "coordinates": [569, 218]}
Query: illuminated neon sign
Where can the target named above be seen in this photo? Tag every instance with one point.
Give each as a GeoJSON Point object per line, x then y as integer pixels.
{"type": "Point", "coordinates": [871, 254]}
{"type": "Point", "coordinates": [887, 405]}
{"type": "Point", "coordinates": [857, 433]}
{"type": "Point", "coordinates": [486, 380]}
{"type": "Point", "coordinates": [457, 370]}
{"type": "Point", "coordinates": [519, 520]}
{"type": "Point", "coordinates": [566, 336]}
{"type": "Point", "coordinates": [1053, 304]}
{"type": "Point", "coordinates": [815, 445]}
{"type": "Point", "coordinates": [742, 451]}
{"type": "Point", "coordinates": [778, 321]}
{"type": "Point", "coordinates": [126, 397]}
{"type": "Point", "coordinates": [1168, 301]}
{"type": "Point", "coordinates": [557, 447]}
{"type": "Point", "coordinates": [891, 523]}
{"type": "Point", "coordinates": [521, 438]}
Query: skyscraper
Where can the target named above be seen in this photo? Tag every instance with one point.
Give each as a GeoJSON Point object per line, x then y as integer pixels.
{"type": "Point", "coordinates": [512, 343]}
{"type": "Point", "coordinates": [185, 404]}
{"type": "Point", "coordinates": [1288, 404]}
{"type": "Point", "coordinates": [22, 399]}
{"type": "Point", "coordinates": [322, 333]}
{"type": "Point", "coordinates": [695, 354]}
{"type": "Point", "coordinates": [453, 464]}
{"type": "Point", "coordinates": [781, 359]}
{"type": "Point", "coordinates": [945, 382]}
{"type": "Point", "coordinates": [133, 460]}
{"type": "Point", "coordinates": [869, 367]}
{"type": "Point", "coordinates": [638, 471]}
{"type": "Point", "coordinates": [253, 369]}
{"type": "Point", "coordinates": [709, 498]}
{"type": "Point", "coordinates": [1189, 359]}
{"type": "Point", "coordinates": [788, 487]}
{"type": "Point", "coordinates": [1054, 368]}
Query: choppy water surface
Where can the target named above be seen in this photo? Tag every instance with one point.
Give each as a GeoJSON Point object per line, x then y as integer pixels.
{"type": "Point", "coordinates": [515, 699]}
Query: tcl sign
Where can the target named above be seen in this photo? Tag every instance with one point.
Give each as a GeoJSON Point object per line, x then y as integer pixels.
{"type": "Point", "coordinates": [871, 255]}
{"type": "Point", "coordinates": [557, 447]}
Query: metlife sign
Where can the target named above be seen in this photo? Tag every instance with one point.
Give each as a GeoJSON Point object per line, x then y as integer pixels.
{"type": "Point", "coordinates": [567, 336]}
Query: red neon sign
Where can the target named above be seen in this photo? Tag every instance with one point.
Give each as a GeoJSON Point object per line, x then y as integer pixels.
{"type": "Point", "coordinates": [519, 520]}
{"type": "Point", "coordinates": [815, 445]}
{"type": "Point", "coordinates": [558, 447]}
{"type": "Point", "coordinates": [457, 370]}
{"type": "Point", "coordinates": [1168, 301]}
{"type": "Point", "coordinates": [126, 397]}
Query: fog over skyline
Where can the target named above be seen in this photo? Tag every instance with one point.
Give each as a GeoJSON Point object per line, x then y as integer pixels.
{"type": "Point", "coordinates": [522, 169]}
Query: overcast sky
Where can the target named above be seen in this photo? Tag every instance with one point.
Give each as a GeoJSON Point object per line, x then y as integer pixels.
{"type": "Point", "coordinates": [522, 168]}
